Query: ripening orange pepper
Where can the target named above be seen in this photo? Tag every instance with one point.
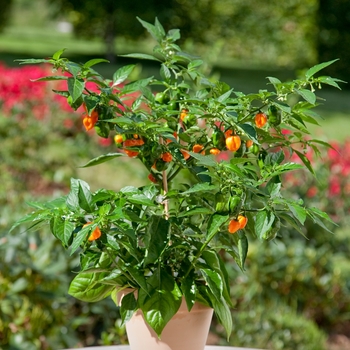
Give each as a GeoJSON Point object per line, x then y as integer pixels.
{"type": "Point", "coordinates": [118, 139]}
{"type": "Point", "coordinates": [152, 178]}
{"type": "Point", "coordinates": [89, 121]}
{"type": "Point", "coordinates": [233, 143]}
{"type": "Point", "coordinates": [233, 226]}
{"type": "Point", "coordinates": [183, 114]}
{"type": "Point", "coordinates": [242, 221]}
{"type": "Point", "coordinates": [197, 148]}
{"type": "Point", "coordinates": [167, 157]}
{"type": "Point", "coordinates": [131, 143]}
{"type": "Point", "coordinates": [260, 120]}
{"type": "Point", "coordinates": [214, 151]}
{"type": "Point", "coordinates": [249, 143]}
{"type": "Point", "coordinates": [185, 154]}
{"type": "Point", "coordinates": [228, 133]}
{"type": "Point", "coordinates": [96, 233]}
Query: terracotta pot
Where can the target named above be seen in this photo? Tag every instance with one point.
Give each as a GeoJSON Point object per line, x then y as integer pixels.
{"type": "Point", "coordinates": [185, 331]}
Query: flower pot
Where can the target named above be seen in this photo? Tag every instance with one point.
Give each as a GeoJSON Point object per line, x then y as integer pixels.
{"type": "Point", "coordinates": [185, 331]}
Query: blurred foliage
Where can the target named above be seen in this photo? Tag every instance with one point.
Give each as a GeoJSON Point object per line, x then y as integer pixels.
{"type": "Point", "coordinates": [334, 36]}
{"type": "Point", "coordinates": [282, 33]}
{"type": "Point", "coordinates": [274, 330]}
{"type": "Point", "coordinates": [5, 13]}
{"type": "Point", "coordinates": [36, 136]}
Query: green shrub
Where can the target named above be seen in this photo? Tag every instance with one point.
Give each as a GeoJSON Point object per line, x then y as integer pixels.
{"type": "Point", "coordinates": [277, 327]}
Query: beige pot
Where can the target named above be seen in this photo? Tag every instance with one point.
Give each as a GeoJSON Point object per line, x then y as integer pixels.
{"type": "Point", "coordinates": [185, 331]}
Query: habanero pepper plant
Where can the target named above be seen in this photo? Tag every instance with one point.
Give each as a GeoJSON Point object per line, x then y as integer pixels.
{"type": "Point", "coordinates": [167, 240]}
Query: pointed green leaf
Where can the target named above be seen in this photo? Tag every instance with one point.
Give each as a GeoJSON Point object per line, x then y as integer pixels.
{"type": "Point", "coordinates": [85, 197]}
{"type": "Point", "coordinates": [263, 222]}
{"type": "Point", "coordinates": [63, 230]}
{"type": "Point", "coordinates": [242, 249]}
{"type": "Point", "coordinates": [75, 88]}
{"type": "Point", "coordinates": [122, 74]}
{"type": "Point", "coordinates": [102, 159]}
{"type": "Point", "coordinates": [57, 55]}
{"type": "Point", "coordinates": [298, 211]}
{"type": "Point", "coordinates": [214, 282]}
{"type": "Point", "coordinates": [156, 238]}
{"type": "Point", "coordinates": [305, 160]}
{"type": "Point", "coordinates": [318, 67]}
{"type": "Point", "coordinates": [84, 287]}
{"type": "Point", "coordinates": [128, 307]}
{"type": "Point", "coordinates": [196, 211]}
{"type": "Point", "coordinates": [94, 61]}
{"type": "Point", "coordinates": [141, 56]}
{"type": "Point", "coordinates": [160, 305]}
{"type": "Point", "coordinates": [81, 236]}
{"type": "Point", "coordinates": [307, 95]}
{"type": "Point", "coordinates": [215, 223]}
{"type": "Point", "coordinates": [200, 187]}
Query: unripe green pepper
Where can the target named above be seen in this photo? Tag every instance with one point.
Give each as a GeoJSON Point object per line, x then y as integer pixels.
{"type": "Point", "coordinates": [102, 129]}
{"type": "Point", "coordinates": [274, 116]}
{"type": "Point", "coordinates": [255, 149]}
{"type": "Point", "coordinates": [234, 204]}
{"type": "Point", "coordinates": [222, 204]}
{"type": "Point", "coordinates": [218, 139]}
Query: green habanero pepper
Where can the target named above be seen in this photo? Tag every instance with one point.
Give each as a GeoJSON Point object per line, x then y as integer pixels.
{"type": "Point", "coordinates": [274, 116]}
{"type": "Point", "coordinates": [222, 204]}
{"type": "Point", "coordinates": [218, 139]}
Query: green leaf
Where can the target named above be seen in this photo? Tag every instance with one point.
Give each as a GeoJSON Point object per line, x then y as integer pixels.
{"type": "Point", "coordinates": [263, 222]}
{"type": "Point", "coordinates": [102, 159]}
{"type": "Point", "coordinates": [298, 211]}
{"type": "Point", "coordinates": [32, 61]}
{"type": "Point", "coordinates": [208, 161]}
{"type": "Point", "coordinates": [274, 81]}
{"type": "Point", "coordinates": [122, 74]}
{"type": "Point", "coordinates": [141, 199]}
{"type": "Point", "coordinates": [156, 238]}
{"type": "Point", "coordinates": [242, 249]}
{"type": "Point", "coordinates": [51, 78]}
{"type": "Point", "coordinates": [307, 95]}
{"type": "Point", "coordinates": [200, 187]}
{"type": "Point", "coordinates": [214, 282]}
{"type": "Point", "coordinates": [94, 61]}
{"type": "Point", "coordinates": [57, 55]}
{"type": "Point", "coordinates": [293, 222]}
{"type": "Point", "coordinates": [73, 68]}
{"type": "Point", "coordinates": [141, 56]}
{"type": "Point", "coordinates": [196, 211]}
{"type": "Point", "coordinates": [330, 81]}
{"type": "Point", "coordinates": [162, 302]}
{"type": "Point", "coordinates": [86, 288]}
{"type": "Point", "coordinates": [223, 313]}
{"type": "Point", "coordinates": [156, 31]}
{"type": "Point", "coordinates": [138, 277]}
{"type": "Point", "coordinates": [165, 72]}
{"type": "Point", "coordinates": [135, 86]}
{"type": "Point", "coordinates": [189, 290]}
{"type": "Point", "coordinates": [305, 160]}
{"type": "Point", "coordinates": [75, 88]}
{"type": "Point", "coordinates": [80, 237]}
{"type": "Point", "coordinates": [72, 200]}
{"type": "Point", "coordinates": [128, 307]}
{"type": "Point", "coordinates": [318, 67]}
{"type": "Point", "coordinates": [85, 197]}
{"type": "Point", "coordinates": [215, 223]}
{"type": "Point", "coordinates": [63, 229]}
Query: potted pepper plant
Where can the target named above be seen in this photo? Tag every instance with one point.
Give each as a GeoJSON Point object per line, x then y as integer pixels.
{"type": "Point", "coordinates": [216, 159]}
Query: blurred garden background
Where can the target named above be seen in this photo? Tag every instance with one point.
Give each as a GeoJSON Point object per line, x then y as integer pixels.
{"type": "Point", "coordinates": [295, 294]}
